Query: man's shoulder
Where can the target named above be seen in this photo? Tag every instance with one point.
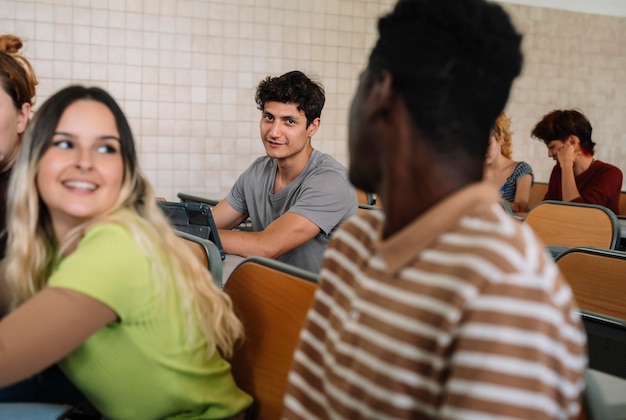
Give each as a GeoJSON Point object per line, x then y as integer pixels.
{"type": "Point", "coordinates": [259, 165]}
{"type": "Point", "coordinates": [500, 239]}
{"type": "Point", "coordinates": [324, 168]}
{"type": "Point", "coordinates": [358, 234]}
{"type": "Point", "coordinates": [325, 161]}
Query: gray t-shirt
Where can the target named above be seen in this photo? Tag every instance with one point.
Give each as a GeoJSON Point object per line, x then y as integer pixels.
{"type": "Point", "coordinates": [321, 193]}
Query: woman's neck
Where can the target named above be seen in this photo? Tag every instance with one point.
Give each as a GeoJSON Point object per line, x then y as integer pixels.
{"type": "Point", "coordinates": [498, 170]}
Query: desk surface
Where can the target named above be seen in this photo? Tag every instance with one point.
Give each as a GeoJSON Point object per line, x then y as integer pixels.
{"type": "Point", "coordinates": [200, 198]}
{"type": "Point", "coordinates": [520, 216]}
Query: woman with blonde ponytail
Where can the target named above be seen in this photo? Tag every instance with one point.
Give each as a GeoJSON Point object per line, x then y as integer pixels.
{"type": "Point", "coordinates": [97, 282]}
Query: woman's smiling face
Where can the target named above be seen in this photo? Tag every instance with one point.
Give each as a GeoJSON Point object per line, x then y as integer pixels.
{"type": "Point", "coordinates": [80, 175]}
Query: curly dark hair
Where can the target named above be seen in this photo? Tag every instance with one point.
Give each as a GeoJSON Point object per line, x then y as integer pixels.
{"type": "Point", "coordinates": [292, 87]}
{"type": "Point", "coordinates": [562, 123]}
{"type": "Point", "coordinates": [454, 62]}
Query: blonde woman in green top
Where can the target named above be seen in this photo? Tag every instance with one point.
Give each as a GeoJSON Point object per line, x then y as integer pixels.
{"type": "Point", "coordinates": [96, 282]}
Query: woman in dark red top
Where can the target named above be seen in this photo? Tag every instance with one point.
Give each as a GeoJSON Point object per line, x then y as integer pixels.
{"type": "Point", "coordinates": [577, 176]}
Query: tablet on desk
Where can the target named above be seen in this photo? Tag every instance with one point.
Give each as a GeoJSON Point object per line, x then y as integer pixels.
{"type": "Point", "coordinates": [193, 218]}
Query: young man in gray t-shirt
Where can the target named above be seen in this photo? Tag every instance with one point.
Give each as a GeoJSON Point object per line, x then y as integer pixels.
{"type": "Point", "coordinates": [295, 196]}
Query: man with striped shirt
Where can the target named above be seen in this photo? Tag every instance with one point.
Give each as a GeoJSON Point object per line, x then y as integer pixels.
{"type": "Point", "coordinates": [440, 305]}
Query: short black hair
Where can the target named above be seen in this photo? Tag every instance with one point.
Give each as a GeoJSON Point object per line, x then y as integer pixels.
{"type": "Point", "coordinates": [454, 62]}
{"type": "Point", "coordinates": [293, 87]}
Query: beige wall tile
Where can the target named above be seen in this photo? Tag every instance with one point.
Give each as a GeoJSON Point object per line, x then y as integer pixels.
{"type": "Point", "coordinates": [185, 72]}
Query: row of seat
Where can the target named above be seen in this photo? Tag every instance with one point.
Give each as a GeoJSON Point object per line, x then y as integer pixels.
{"type": "Point", "coordinates": [585, 241]}
{"type": "Point", "coordinates": [272, 300]}
{"type": "Point", "coordinates": [596, 277]}
{"type": "Point", "coordinates": [273, 305]}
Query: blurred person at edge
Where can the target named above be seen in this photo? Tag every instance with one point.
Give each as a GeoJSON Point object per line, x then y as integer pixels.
{"type": "Point", "coordinates": [440, 306]}
{"type": "Point", "coordinates": [99, 282]}
{"type": "Point", "coordinates": [17, 97]}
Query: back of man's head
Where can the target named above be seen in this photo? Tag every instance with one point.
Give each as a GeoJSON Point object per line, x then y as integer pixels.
{"type": "Point", "coordinates": [292, 87]}
{"type": "Point", "coordinates": [454, 62]}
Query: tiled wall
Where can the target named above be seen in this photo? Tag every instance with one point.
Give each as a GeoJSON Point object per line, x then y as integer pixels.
{"type": "Point", "coordinates": [572, 60]}
{"type": "Point", "coordinates": [185, 72]}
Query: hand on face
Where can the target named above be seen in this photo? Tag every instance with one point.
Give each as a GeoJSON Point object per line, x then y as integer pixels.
{"type": "Point", "coordinates": [567, 155]}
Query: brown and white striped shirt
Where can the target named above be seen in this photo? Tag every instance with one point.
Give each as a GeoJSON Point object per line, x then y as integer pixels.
{"type": "Point", "coordinates": [462, 314]}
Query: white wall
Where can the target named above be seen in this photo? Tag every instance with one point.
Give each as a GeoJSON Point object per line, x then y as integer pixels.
{"type": "Point", "coordinates": [185, 72]}
{"type": "Point", "coordinates": [600, 7]}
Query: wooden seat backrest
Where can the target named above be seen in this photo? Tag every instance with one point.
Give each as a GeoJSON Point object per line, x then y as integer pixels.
{"type": "Point", "coordinates": [574, 224]}
{"type": "Point", "coordinates": [537, 193]}
{"type": "Point", "coordinates": [597, 278]}
{"type": "Point", "coordinates": [622, 203]}
{"type": "Point", "coordinates": [362, 197]}
{"type": "Point", "coordinates": [365, 198]}
{"type": "Point", "coordinates": [206, 252]}
{"type": "Point", "coordinates": [272, 300]}
{"type": "Point", "coordinates": [197, 250]}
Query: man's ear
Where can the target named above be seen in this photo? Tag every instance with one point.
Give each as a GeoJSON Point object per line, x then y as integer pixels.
{"type": "Point", "coordinates": [573, 140]}
{"type": "Point", "coordinates": [313, 127]}
{"type": "Point", "coordinates": [381, 93]}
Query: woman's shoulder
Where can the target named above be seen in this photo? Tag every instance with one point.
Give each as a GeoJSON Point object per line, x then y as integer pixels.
{"type": "Point", "coordinates": [116, 227]}
{"type": "Point", "coordinates": [523, 166]}
{"type": "Point", "coordinates": [521, 169]}
{"type": "Point", "coordinates": [120, 231]}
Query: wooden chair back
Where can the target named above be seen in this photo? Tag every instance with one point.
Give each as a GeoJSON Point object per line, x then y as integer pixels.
{"type": "Point", "coordinates": [622, 203]}
{"type": "Point", "coordinates": [206, 251]}
{"type": "Point", "coordinates": [537, 193]}
{"type": "Point", "coordinates": [364, 197]}
{"type": "Point", "coordinates": [597, 278]}
{"type": "Point", "coordinates": [565, 224]}
{"type": "Point", "coordinates": [272, 300]}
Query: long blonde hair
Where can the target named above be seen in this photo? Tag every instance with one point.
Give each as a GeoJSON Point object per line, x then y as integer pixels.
{"type": "Point", "coordinates": [33, 249]}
